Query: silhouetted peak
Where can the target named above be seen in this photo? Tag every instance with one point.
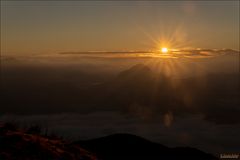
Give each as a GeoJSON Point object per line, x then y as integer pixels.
{"type": "Point", "coordinates": [123, 135]}
{"type": "Point", "coordinates": [127, 146]}
{"type": "Point", "coordinates": [136, 70]}
{"type": "Point", "coordinates": [140, 67]}
{"type": "Point", "coordinates": [123, 138]}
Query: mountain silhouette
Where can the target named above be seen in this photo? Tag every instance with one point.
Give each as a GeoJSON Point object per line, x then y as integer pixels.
{"type": "Point", "coordinates": [127, 146]}
{"type": "Point", "coordinates": [24, 144]}
{"type": "Point", "coordinates": [133, 84]}
{"type": "Point", "coordinates": [140, 86]}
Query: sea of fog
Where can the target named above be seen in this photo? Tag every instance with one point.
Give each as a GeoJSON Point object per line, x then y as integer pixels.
{"type": "Point", "coordinates": [183, 98]}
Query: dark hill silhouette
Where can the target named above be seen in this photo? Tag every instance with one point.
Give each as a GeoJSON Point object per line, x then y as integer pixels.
{"type": "Point", "coordinates": [131, 147]}
{"type": "Point", "coordinates": [20, 144]}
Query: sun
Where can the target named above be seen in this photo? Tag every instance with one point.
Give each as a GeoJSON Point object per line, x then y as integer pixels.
{"type": "Point", "coordinates": [164, 50]}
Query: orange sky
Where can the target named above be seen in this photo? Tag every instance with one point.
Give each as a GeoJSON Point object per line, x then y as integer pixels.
{"type": "Point", "coordinates": [58, 26]}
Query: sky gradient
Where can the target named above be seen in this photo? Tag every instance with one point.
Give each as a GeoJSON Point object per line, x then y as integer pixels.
{"type": "Point", "coordinates": [61, 26]}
